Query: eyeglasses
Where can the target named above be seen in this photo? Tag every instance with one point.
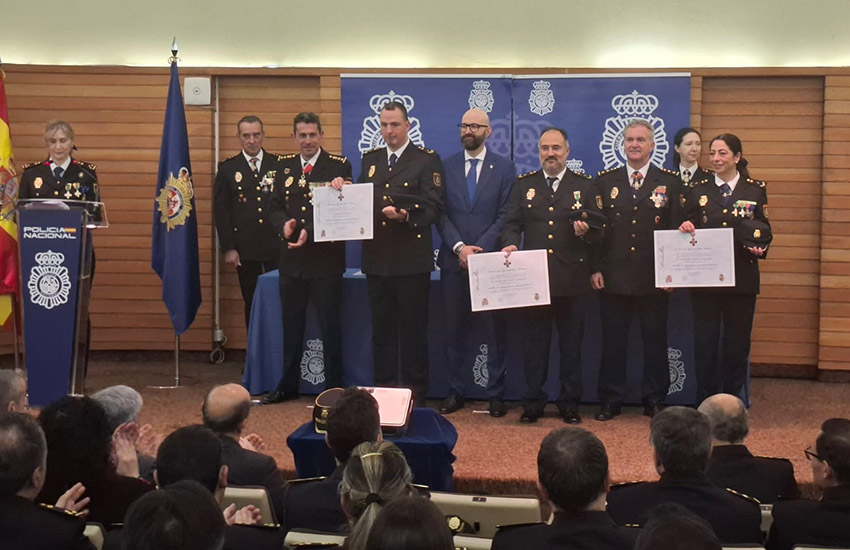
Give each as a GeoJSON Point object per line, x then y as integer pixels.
{"type": "Point", "coordinates": [810, 455]}
{"type": "Point", "coordinates": [471, 127]}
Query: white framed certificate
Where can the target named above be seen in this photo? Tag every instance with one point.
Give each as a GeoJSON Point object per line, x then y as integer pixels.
{"type": "Point", "coordinates": [704, 258]}
{"type": "Point", "coordinates": [344, 215]}
{"type": "Point", "coordinates": [520, 280]}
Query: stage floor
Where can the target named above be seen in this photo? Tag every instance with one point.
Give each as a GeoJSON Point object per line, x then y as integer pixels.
{"type": "Point", "coordinates": [493, 455]}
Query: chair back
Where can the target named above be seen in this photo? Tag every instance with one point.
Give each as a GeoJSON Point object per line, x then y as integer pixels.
{"type": "Point", "coordinates": [256, 496]}
{"type": "Point", "coordinates": [484, 513]}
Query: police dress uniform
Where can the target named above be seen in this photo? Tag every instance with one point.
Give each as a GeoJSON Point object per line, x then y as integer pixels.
{"type": "Point", "coordinates": [733, 308]}
{"type": "Point", "coordinates": [310, 273]}
{"type": "Point", "coordinates": [245, 467]}
{"type": "Point", "coordinates": [240, 202]}
{"type": "Point", "coordinates": [810, 522]}
{"type": "Point", "coordinates": [584, 530]}
{"type": "Point", "coordinates": [311, 504]}
{"type": "Point", "coordinates": [764, 478]}
{"type": "Point", "coordinates": [539, 219]}
{"type": "Point", "coordinates": [735, 517]}
{"type": "Point", "coordinates": [627, 263]}
{"type": "Point", "coordinates": [698, 174]}
{"type": "Point", "coordinates": [398, 262]}
{"type": "Point", "coordinates": [25, 524]}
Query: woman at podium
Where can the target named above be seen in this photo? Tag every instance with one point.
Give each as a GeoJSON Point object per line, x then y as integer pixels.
{"type": "Point", "coordinates": [60, 176]}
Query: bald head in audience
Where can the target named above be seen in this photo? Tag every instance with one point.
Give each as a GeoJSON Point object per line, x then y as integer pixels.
{"type": "Point", "coordinates": [728, 417]}
{"type": "Point", "coordinates": [13, 391]}
{"type": "Point", "coordinates": [226, 408]}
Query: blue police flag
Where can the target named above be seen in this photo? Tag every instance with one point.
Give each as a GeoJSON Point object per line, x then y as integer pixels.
{"type": "Point", "coordinates": [174, 240]}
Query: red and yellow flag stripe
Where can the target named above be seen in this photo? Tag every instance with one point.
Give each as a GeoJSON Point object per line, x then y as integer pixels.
{"type": "Point", "coordinates": [8, 228]}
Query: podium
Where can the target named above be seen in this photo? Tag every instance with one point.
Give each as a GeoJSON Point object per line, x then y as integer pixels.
{"type": "Point", "coordinates": [55, 247]}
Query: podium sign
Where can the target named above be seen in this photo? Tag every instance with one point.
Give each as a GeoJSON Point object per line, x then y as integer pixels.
{"type": "Point", "coordinates": [50, 244]}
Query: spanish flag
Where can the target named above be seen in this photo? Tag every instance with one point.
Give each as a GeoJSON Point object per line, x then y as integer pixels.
{"type": "Point", "coordinates": [8, 228]}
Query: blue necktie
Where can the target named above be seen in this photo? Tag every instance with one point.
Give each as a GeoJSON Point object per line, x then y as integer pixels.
{"type": "Point", "coordinates": [393, 158]}
{"type": "Point", "coordinates": [58, 173]}
{"type": "Point", "coordinates": [727, 194]}
{"type": "Point", "coordinates": [471, 179]}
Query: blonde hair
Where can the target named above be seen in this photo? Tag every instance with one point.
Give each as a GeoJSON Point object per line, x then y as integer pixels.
{"type": "Point", "coordinates": [55, 126]}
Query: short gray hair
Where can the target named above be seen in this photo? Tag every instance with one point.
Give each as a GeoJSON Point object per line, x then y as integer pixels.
{"type": "Point", "coordinates": [726, 426]}
{"type": "Point", "coordinates": [13, 387]}
{"type": "Point", "coordinates": [635, 122]}
{"type": "Point", "coordinates": [121, 403]}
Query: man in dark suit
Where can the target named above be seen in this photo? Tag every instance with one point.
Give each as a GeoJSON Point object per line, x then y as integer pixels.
{"type": "Point", "coordinates": [681, 444]}
{"type": "Point", "coordinates": [225, 411]}
{"type": "Point", "coordinates": [732, 465]}
{"type": "Point", "coordinates": [478, 187]}
{"type": "Point", "coordinates": [541, 206]}
{"type": "Point", "coordinates": [399, 259]}
{"type": "Point", "coordinates": [574, 480]}
{"type": "Point", "coordinates": [23, 463]}
{"type": "Point", "coordinates": [824, 522]}
{"type": "Point", "coordinates": [314, 503]}
{"type": "Point", "coordinates": [637, 199]}
{"type": "Point", "coordinates": [243, 187]}
{"type": "Point", "coordinates": [310, 271]}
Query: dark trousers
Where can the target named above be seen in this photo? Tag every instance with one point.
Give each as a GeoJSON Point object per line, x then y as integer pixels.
{"type": "Point", "coordinates": [459, 317]}
{"type": "Point", "coordinates": [326, 296]}
{"type": "Point", "coordinates": [735, 313]}
{"type": "Point", "coordinates": [568, 314]}
{"type": "Point", "coordinates": [399, 305]}
{"type": "Point", "coordinates": [248, 274]}
{"type": "Point", "coordinates": [617, 311]}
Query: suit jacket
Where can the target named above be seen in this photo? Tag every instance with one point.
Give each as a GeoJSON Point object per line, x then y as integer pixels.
{"type": "Point", "coordinates": [825, 522]}
{"type": "Point", "coordinates": [480, 222]}
{"type": "Point", "coordinates": [27, 525]}
{"type": "Point", "coordinates": [538, 220]}
{"type": "Point", "coordinates": [292, 199]}
{"type": "Point", "coordinates": [627, 258]}
{"type": "Point", "coordinates": [405, 247]}
{"type": "Point", "coordinates": [734, 517]}
{"type": "Point", "coordinates": [765, 479]}
{"type": "Point", "coordinates": [240, 203]}
{"type": "Point", "coordinates": [246, 467]}
{"type": "Point", "coordinates": [576, 531]}
{"type": "Point", "coordinates": [78, 182]}
{"type": "Point", "coordinates": [705, 209]}
{"type": "Point", "coordinates": [311, 504]}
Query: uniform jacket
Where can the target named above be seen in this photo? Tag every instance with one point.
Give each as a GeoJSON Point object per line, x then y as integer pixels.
{"type": "Point", "coordinates": [111, 495]}
{"type": "Point", "coordinates": [240, 202]}
{"type": "Point", "coordinates": [576, 531]}
{"type": "Point", "coordinates": [705, 209]}
{"type": "Point", "coordinates": [292, 199]}
{"type": "Point", "coordinates": [25, 524]}
{"type": "Point", "coordinates": [311, 504]}
{"type": "Point", "coordinates": [627, 256]}
{"type": "Point", "coordinates": [246, 467]}
{"type": "Point", "coordinates": [538, 221]}
{"type": "Point", "coordinates": [405, 247]}
{"type": "Point", "coordinates": [480, 222]}
{"type": "Point", "coordinates": [735, 518]}
{"type": "Point", "coordinates": [236, 537]}
{"type": "Point", "coordinates": [78, 182]}
{"type": "Point", "coordinates": [825, 522]}
{"type": "Point", "coordinates": [763, 478]}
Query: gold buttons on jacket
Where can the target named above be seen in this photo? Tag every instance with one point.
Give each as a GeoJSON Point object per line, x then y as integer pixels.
{"type": "Point", "coordinates": [633, 249]}
{"type": "Point", "coordinates": [551, 209]}
{"type": "Point", "coordinates": [550, 237]}
{"type": "Point", "coordinates": [551, 222]}
{"type": "Point", "coordinates": [383, 224]}
{"type": "Point", "coordinates": [259, 209]}
{"type": "Point", "coordinates": [725, 211]}
{"type": "Point", "coordinates": [724, 224]}
{"type": "Point", "coordinates": [551, 251]}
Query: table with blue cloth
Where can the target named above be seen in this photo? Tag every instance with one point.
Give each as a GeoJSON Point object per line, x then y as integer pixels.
{"type": "Point", "coordinates": [427, 446]}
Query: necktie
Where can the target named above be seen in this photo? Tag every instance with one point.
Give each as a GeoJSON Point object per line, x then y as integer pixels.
{"type": "Point", "coordinates": [308, 168]}
{"type": "Point", "coordinates": [550, 181]}
{"type": "Point", "coordinates": [636, 180]}
{"type": "Point", "coordinates": [393, 158]}
{"type": "Point", "coordinates": [471, 179]}
{"type": "Point", "coordinates": [254, 161]}
{"type": "Point", "coordinates": [727, 194]}
{"type": "Point", "coordinates": [58, 172]}
{"type": "Point", "coordinates": [686, 176]}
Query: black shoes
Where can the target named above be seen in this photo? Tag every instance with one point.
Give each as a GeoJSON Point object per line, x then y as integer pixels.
{"type": "Point", "coordinates": [607, 411]}
{"type": "Point", "coordinates": [451, 404]}
{"type": "Point", "coordinates": [497, 407]}
{"type": "Point", "coordinates": [278, 397]}
{"type": "Point", "coordinates": [530, 416]}
{"type": "Point", "coordinates": [571, 416]}
{"type": "Point", "coordinates": [651, 409]}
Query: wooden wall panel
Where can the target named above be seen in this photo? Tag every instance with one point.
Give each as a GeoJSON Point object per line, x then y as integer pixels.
{"type": "Point", "coordinates": [780, 122]}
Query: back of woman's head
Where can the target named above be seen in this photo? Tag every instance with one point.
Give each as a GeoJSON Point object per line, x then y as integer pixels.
{"type": "Point", "coordinates": [412, 523]}
{"type": "Point", "coordinates": [375, 473]}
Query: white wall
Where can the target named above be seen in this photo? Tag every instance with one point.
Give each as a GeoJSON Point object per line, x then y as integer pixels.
{"type": "Point", "coordinates": [428, 33]}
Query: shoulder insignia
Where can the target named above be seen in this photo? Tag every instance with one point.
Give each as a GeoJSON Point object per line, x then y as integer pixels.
{"type": "Point", "coordinates": [608, 171]}
{"type": "Point", "coordinates": [337, 158]}
{"type": "Point", "coordinates": [233, 157]}
{"type": "Point", "coordinates": [743, 496]}
{"type": "Point", "coordinates": [582, 175]}
{"type": "Point", "coordinates": [261, 526]}
{"type": "Point", "coordinates": [307, 479]}
{"type": "Point", "coordinates": [674, 173]}
{"type": "Point", "coordinates": [632, 525]}
{"type": "Point", "coordinates": [514, 525]}
{"type": "Point", "coordinates": [30, 165]}
{"type": "Point", "coordinates": [425, 149]}
{"type": "Point", "coordinates": [627, 484]}
{"type": "Point", "coordinates": [370, 151]}
{"type": "Point", "coordinates": [527, 174]}
{"type": "Point", "coordinates": [63, 511]}
{"type": "Point", "coordinates": [88, 165]}
{"type": "Point", "coordinates": [694, 183]}
{"type": "Point", "coordinates": [421, 487]}
{"type": "Point", "coordinates": [757, 182]}
{"type": "Point", "coordinates": [773, 458]}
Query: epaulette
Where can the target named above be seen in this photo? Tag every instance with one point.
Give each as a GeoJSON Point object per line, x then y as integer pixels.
{"type": "Point", "coordinates": [527, 174]}
{"type": "Point", "coordinates": [632, 525]}
{"type": "Point", "coordinates": [373, 150]}
{"type": "Point", "coordinates": [757, 182]}
{"type": "Point", "coordinates": [743, 496]}
{"type": "Point", "coordinates": [63, 511]}
{"type": "Point", "coordinates": [694, 183]}
{"type": "Point", "coordinates": [307, 479]}
{"type": "Point", "coordinates": [425, 149]}
{"type": "Point", "coordinates": [514, 525]}
{"type": "Point", "coordinates": [88, 165]}
{"type": "Point", "coordinates": [261, 526]}
{"type": "Point", "coordinates": [420, 486]}
{"type": "Point", "coordinates": [671, 172]}
{"type": "Point", "coordinates": [773, 457]}
{"type": "Point", "coordinates": [30, 165]}
{"type": "Point", "coordinates": [337, 158]}
{"type": "Point", "coordinates": [288, 156]}
{"type": "Point", "coordinates": [608, 171]}
{"type": "Point", "coordinates": [582, 175]}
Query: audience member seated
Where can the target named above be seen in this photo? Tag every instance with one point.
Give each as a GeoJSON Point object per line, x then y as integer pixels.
{"type": "Point", "coordinates": [122, 405]}
{"type": "Point", "coordinates": [375, 474]}
{"type": "Point", "coordinates": [681, 445]}
{"type": "Point", "coordinates": [314, 503]}
{"type": "Point", "coordinates": [825, 522]}
{"type": "Point", "coordinates": [13, 391]}
{"type": "Point", "coordinates": [674, 527]}
{"type": "Point", "coordinates": [573, 481]}
{"type": "Point", "coordinates": [226, 409]}
{"type": "Point", "coordinates": [79, 442]}
{"type": "Point", "coordinates": [23, 462]}
{"type": "Point", "coordinates": [412, 523]}
{"type": "Point", "coordinates": [183, 516]}
{"type": "Point", "coordinates": [731, 463]}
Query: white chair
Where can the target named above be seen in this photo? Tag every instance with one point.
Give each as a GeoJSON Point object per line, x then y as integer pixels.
{"type": "Point", "coordinates": [296, 537]}
{"type": "Point", "coordinates": [466, 542]}
{"type": "Point", "coordinates": [96, 534]}
{"type": "Point", "coordinates": [815, 547]}
{"type": "Point", "coordinates": [256, 496]}
{"type": "Point", "coordinates": [484, 514]}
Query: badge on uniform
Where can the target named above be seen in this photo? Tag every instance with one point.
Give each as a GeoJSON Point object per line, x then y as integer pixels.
{"type": "Point", "coordinates": [659, 196]}
{"type": "Point", "coordinates": [599, 202]}
{"type": "Point", "coordinates": [529, 195]}
{"type": "Point", "coordinates": [237, 177]}
{"type": "Point", "coordinates": [757, 234]}
{"type": "Point", "coordinates": [577, 197]}
{"type": "Point", "coordinates": [744, 209]}
{"type": "Point", "coordinates": [682, 200]}
{"type": "Point", "coordinates": [437, 179]}
{"type": "Point", "coordinates": [289, 180]}
{"type": "Point", "coordinates": [614, 192]}
{"type": "Point", "coordinates": [371, 170]}
{"type": "Point", "coordinates": [703, 200]}
{"type": "Point", "coordinates": [37, 183]}
{"type": "Point", "coordinates": [286, 170]}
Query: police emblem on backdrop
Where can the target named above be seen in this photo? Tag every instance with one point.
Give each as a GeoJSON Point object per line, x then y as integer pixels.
{"type": "Point", "coordinates": [370, 136]}
{"type": "Point", "coordinates": [526, 136]}
{"type": "Point", "coordinates": [49, 283]}
{"type": "Point", "coordinates": [677, 370]}
{"type": "Point", "coordinates": [175, 199]}
{"type": "Point", "coordinates": [481, 96]}
{"type": "Point", "coordinates": [576, 165]}
{"type": "Point", "coordinates": [629, 107]}
{"type": "Point", "coordinates": [541, 100]}
{"type": "Point", "coordinates": [313, 362]}
{"type": "Point", "coordinates": [480, 372]}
